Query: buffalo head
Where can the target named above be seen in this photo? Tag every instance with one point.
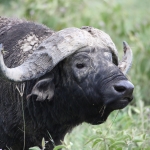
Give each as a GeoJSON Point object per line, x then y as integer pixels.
{"type": "Point", "coordinates": [90, 71]}
{"type": "Point", "coordinates": [77, 72]}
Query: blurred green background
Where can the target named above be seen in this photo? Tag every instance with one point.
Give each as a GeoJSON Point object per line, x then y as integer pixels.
{"type": "Point", "coordinates": [127, 20]}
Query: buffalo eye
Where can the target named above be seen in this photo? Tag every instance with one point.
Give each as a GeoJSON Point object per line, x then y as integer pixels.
{"type": "Point", "coordinates": [79, 65]}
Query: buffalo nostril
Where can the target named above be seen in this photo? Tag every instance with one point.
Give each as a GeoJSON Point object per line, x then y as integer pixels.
{"type": "Point", "coordinates": [120, 88]}
{"type": "Point", "coordinates": [124, 87]}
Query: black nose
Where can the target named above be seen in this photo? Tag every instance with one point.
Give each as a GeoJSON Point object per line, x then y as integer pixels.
{"type": "Point", "coordinates": [124, 88]}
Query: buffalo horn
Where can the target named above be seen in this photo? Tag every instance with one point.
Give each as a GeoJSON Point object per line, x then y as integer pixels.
{"type": "Point", "coordinates": [125, 63]}
{"type": "Point", "coordinates": [54, 49]}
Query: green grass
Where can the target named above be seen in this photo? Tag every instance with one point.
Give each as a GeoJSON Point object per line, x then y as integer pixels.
{"type": "Point", "coordinates": [123, 20]}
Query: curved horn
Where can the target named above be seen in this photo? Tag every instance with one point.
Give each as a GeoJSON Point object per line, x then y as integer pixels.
{"type": "Point", "coordinates": [125, 63]}
{"type": "Point", "coordinates": [54, 49]}
{"type": "Point", "coordinates": [37, 63]}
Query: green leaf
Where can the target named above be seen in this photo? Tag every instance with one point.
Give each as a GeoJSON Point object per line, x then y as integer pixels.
{"type": "Point", "coordinates": [136, 110]}
{"type": "Point", "coordinates": [118, 143]}
{"type": "Point", "coordinates": [106, 146]}
{"type": "Point", "coordinates": [92, 138]}
{"type": "Point", "coordinates": [137, 140]}
{"type": "Point", "coordinates": [96, 142]}
{"type": "Point", "coordinates": [59, 147]}
{"type": "Point", "coordinates": [43, 142]}
{"type": "Point", "coordinates": [112, 140]}
{"type": "Point", "coordinates": [34, 148]}
{"type": "Point", "coordinates": [144, 136]}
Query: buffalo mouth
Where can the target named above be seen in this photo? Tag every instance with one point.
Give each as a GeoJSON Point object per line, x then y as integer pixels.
{"type": "Point", "coordinates": [115, 97]}
{"type": "Point", "coordinates": [120, 104]}
{"type": "Point", "coordinates": [115, 105]}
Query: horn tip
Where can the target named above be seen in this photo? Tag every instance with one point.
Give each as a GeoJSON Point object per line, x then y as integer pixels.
{"type": "Point", "coordinates": [124, 42]}
{"type": "Point", "coordinates": [125, 46]}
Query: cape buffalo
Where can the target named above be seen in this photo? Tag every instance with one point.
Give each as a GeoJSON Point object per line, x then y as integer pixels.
{"type": "Point", "coordinates": [52, 81]}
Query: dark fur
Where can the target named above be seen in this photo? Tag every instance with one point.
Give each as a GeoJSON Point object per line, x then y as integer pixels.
{"type": "Point", "coordinates": [75, 99]}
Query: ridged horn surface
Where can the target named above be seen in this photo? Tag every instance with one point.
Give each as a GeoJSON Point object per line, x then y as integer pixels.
{"type": "Point", "coordinates": [125, 63]}
{"type": "Point", "coordinates": [54, 49]}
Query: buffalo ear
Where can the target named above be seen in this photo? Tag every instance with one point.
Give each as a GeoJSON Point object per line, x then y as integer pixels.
{"type": "Point", "coordinates": [43, 89]}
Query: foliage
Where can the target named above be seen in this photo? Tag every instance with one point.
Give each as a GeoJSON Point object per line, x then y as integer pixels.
{"type": "Point", "coordinates": [122, 20]}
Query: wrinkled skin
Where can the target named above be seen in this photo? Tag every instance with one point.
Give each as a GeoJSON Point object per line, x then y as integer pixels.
{"type": "Point", "coordinates": [90, 79]}
{"type": "Point", "coordinates": [82, 86]}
